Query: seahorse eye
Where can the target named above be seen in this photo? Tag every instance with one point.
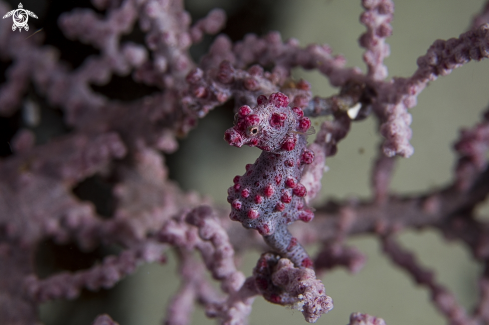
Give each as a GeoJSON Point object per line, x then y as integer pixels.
{"type": "Point", "coordinates": [253, 130]}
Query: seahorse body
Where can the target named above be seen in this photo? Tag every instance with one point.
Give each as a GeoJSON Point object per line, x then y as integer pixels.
{"type": "Point", "coordinates": [269, 196]}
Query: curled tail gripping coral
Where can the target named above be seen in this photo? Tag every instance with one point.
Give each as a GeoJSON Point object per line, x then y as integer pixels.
{"type": "Point", "coordinates": [269, 196]}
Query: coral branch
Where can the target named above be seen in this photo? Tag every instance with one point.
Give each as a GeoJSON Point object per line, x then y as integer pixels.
{"type": "Point", "coordinates": [365, 319]}
{"type": "Point", "coordinates": [377, 17]}
{"type": "Point", "coordinates": [68, 285]}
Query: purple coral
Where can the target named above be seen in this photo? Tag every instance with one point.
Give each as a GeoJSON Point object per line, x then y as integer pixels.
{"type": "Point", "coordinates": [126, 142]}
{"type": "Point", "coordinates": [269, 196]}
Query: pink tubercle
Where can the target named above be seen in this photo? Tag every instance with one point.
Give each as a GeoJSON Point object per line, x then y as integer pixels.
{"type": "Point", "coordinates": [306, 216]}
{"type": "Point", "coordinates": [286, 197]}
{"type": "Point", "coordinates": [252, 120]}
{"type": "Point", "coordinates": [304, 124]}
{"type": "Point", "coordinates": [307, 157]}
{"type": "Point", "coordinates": [245, 193]}
{"type": "Point", "coordinates": [279, 207]}
{"type": "Point", "coordinates": [264, 230]}
{"type": "Point", "coordinates": [258, 199]}
{"type": "Point", "coordinates": [307, 262]}
{"type": "Point", "coordinates": [278, 179]}
{"type": "Point", "coordinates": [253, 214]}
{"type": "Point", "coordinates": [290, 182]}
{"type": "Point", "coordinates": [236, 179]}
{"type": "Point", "coordinates": [262, 99]}
{"type": "Point", "coordinates": [289, 144]}
{"type": "Point", "coordinates": [299, 190]}
{"type": "Point", "coordinates": [277, 120]}
{"type": "Point", "coordinates": [236, 205]}
{"type": "Point", "coordinates": [244, 110]}
{"type": "Point", "coordinates": [268, 191]}
{"type": "Point", "coordinates": [279, 100]}
{"type": "Point", "coordinates": [298, 112]}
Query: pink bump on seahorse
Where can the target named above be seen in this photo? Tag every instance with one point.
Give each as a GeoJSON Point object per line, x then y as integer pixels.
{"type": "Point", "coordinates": [269, 196]}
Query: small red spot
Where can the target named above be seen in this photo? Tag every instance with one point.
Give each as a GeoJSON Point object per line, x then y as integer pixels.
{"type": "Point", "coordinates": [253, 214]}
{"type": "Point", "coordinates": [292, 244]}
{"type": "Point", "coordinates": [251, 84]}
{"type": "Point", "coordinates": [289, 163]}
{"type": "Point", "coordinates": [286, 197]}
{"type": "Point", "coordinates": [252, 120]}
{"type": "Point", "coordinates": [262, 99]}
{"type": "Point", "coordinates": [258, 199]}
{"type": "Point", "coordinates": [268, 191]}
{"type": "Point", "coordinates": [298, 111]}
{"type": "Point", "coordinates": [237, 187]}
{"type": "Point", "coordinates": [245, 193]}
{"type": "Point", "coordinates": [244, 110]}
{"type": "Point", "coordinates": [278, 179]}
{"type": "Point", "coordinates": [304, 124]}
{"type": "Point", "coordinates": [253, 142]}
{"type": "Point", "coordinates": [236, 205]}
{"type": "Point", "coordinates": [300, 190]}
{"type": "Point", "coordinates": [290, 182]}
{"type": "Point", "coordinates": [233, 138]}
{"type": "Point", "coordinates": [240, 126]}
{"type": "Point", "coordinates": [277, 120]}
{"type": "Point", "coordinates": [279, 100]}
{"type": "Point", "coordinates": [264, 230]}
{"type": "Point", "coordinates": [280, 207]}
{"type": "Point", "coordinates": [236, 179]}
{"type": "Point", "coordinates": [289, 144]}
{"type": "Point", "coordinates": [307, 157]}
{"type": "Point", "coordinates": [307, 262]}
{"type": "Point", "coordinates": [275, 299]}
{"type": "Point", "coordinates": [306, 215]}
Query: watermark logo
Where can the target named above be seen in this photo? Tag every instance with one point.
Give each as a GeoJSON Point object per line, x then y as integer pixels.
{"type": "Point", "coordinates": [20, 17]}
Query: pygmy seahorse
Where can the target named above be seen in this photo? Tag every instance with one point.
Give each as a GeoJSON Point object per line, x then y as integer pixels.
{"type": "Point", "coordinates": [269, 196]}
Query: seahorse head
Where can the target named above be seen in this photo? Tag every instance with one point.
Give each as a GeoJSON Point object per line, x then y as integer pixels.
{"type": "Point", "coordinates": [271, 125]}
